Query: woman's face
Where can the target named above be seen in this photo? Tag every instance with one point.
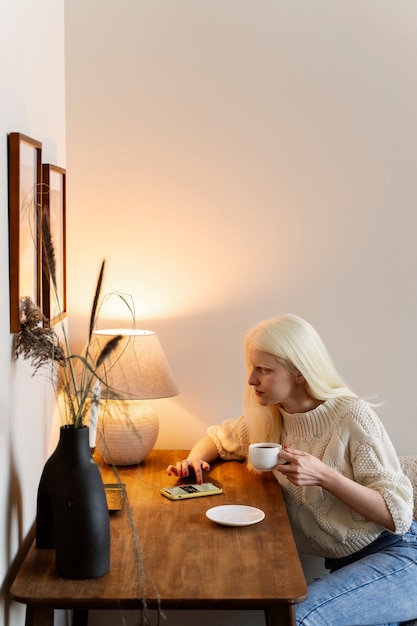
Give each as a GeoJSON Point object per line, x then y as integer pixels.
{"type": "Point", "coordinates": [275, 383]}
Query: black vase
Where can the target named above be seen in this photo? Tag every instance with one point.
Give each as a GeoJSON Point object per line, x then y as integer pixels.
{"type": "Point", "coordinates": [72, 513]}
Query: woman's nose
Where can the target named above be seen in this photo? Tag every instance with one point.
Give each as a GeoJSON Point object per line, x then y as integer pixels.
{"type": "Point", "coordinates": [252, 380]}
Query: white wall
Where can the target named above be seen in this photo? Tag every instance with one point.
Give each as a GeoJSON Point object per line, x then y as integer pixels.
{"type": "Point", "coordinates": [32, 102]}
{"type": "Point", "coordinates": [235, 160]}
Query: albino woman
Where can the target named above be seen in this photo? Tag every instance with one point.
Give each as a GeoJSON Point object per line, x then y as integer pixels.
{"type": "Point", "coordinates": [347, 498]}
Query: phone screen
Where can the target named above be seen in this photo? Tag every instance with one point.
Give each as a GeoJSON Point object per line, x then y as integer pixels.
{"type": "Point", "coordinates": [190, 491]}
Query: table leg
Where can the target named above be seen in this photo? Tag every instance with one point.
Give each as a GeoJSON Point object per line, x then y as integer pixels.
{"type": "Point", "coordinates": [39, 615]}
{"type": "Point", "coordinates": [281, 615]}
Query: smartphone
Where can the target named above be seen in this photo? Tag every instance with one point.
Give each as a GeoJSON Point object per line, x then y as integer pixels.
{"type": "Point", "coordinates": [190, 491]}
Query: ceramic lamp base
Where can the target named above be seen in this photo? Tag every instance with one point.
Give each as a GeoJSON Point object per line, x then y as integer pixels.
{"type": "Point", "coordinates": [127, 431]}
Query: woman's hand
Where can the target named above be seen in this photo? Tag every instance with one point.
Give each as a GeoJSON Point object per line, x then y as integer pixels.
{"type": "Point", "coordinates": [182, 468]}
{"type": "Point", "coordinates": [301, 468]}
{"type": "Point", "coordinates": [202, 452]}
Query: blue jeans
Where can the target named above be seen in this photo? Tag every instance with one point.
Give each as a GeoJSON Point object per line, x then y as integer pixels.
{"type": "Point", "coordinates": [373, 587]}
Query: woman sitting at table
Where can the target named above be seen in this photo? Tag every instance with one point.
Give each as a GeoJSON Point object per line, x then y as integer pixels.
{"type": "Point", "coordinates": [346, 495]}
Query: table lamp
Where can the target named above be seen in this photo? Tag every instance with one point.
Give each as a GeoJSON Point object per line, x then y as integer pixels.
{"type": "Point", "coordinates": [136, 370]}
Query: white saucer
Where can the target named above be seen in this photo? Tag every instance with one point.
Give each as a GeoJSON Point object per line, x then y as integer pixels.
{"type": "Point", "coordinates": [235, 515]}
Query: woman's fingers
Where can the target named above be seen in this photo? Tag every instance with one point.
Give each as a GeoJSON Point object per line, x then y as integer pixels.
{"type": "Point", "coordinates": [182, 469]}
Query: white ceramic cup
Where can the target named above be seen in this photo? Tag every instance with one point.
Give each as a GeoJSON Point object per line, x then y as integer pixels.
{"type": "Point", "coordinates": [265, 455]}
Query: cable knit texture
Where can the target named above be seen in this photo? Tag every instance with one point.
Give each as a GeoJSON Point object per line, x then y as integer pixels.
{"type": "Point", "coordinates": [348, 436]}
{"type": "Point", "coordinates": [409, 467]}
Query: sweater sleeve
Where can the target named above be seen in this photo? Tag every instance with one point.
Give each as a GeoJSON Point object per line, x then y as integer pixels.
{"type": "Point", "coordinates": [231, 439]}
{"type": "Point", "coordinates": [376, 465]}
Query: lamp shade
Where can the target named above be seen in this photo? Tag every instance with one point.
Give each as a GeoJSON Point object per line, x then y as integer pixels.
{"type": "Point", "coordinates": [137, 369]}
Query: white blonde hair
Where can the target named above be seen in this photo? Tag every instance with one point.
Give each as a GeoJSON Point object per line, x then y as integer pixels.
{"type": "Point", "coordinates": [294, 342]}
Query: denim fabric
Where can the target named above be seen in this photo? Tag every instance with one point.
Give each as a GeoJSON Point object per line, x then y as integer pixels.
{"type": "Point", "coordinates": [374, 587]}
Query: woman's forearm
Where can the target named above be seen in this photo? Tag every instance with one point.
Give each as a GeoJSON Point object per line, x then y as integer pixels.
{"type": "Point", "coordinates": [366, 501]}
{"type": "Point", "coordinates": [204, 449]}
{"type": "Point", "coordinates": [304, 470]}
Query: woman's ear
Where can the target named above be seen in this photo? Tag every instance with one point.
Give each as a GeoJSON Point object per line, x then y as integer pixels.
{"type": "Point", "coordinates": [299, 379]}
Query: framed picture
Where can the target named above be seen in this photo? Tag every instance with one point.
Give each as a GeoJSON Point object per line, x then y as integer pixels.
{"type": "Point", "coordinates": [54, 296]}
{"type": "Point", "coordinates": [25, 196]}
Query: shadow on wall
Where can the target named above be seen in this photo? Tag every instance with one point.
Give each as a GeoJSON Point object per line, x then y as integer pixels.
{"type": "Point", "coordinates": [13, 536]}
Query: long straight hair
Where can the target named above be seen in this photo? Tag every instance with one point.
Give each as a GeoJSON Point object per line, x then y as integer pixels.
{"type": "Point", "coordinates": [296, 344]}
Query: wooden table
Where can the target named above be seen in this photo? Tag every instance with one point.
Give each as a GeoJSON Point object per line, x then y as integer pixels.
{"type": "Point", "coordinates": [189, 562]}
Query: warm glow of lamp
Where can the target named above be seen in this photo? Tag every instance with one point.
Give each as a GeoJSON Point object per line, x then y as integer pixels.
{"type": "Point", "coordinates": [136, 370]}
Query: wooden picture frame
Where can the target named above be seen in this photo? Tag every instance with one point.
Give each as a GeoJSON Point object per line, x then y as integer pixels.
{"type": "Point", "coordinates": [54, 301]}
{"type": "Point", "coordinates": [25, 197]}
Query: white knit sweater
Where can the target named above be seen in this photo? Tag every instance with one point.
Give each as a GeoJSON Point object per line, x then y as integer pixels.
{"type": "Point", "coordinates": [348, 436]}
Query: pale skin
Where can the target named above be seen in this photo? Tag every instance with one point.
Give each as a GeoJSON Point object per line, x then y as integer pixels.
{"type": "Point", "coordinates": [275, 383]}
